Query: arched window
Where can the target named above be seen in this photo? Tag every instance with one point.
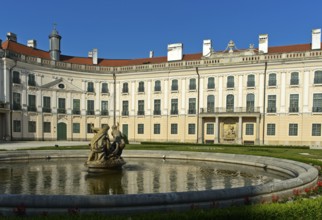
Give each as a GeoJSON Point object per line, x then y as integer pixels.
{"type": "Point", "coordinates": [104, 88]}
{"type": "Point", "coordinates": [157, 86]}
{"type": "Point", "coordinates": [192, 84]}
{"type": "Point", "coordinates": [272, 79]}
{"type": "Point", "coordinates": [251, 80]}
{"type": "Point", "coordinates": [141, 87]}
{"type": "Point", "coordinates": [230, 82]}
{"type": "Point", "coordinates": [211, 103]}
{"type": "Point", "coordinates": [230, 103]}
{"type": "Point", "coordinates": [318, 77]}
{"type": "Point", "coordinates": [294, 78]}
{"type": "Point", "coordinates": [125, 88]}
{"type": "Point", "coordinates": [174, 85]}
{"type": "Point", "coordinates": [90, 87]}
{"type": "Point", "coordinates": [250, 102]}
{"type": "Point", "coordinates": [211, 83]}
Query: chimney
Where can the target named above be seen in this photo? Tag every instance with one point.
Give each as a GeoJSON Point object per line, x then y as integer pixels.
{"type": "Point", "coordinates": [206, 48]}
{"type": "Point", "coordinates": [175, 52]}
{"type": "Point", "coordinates": [12, 37]}
{"type": "Point", "coordinates": [32, 43]}
{"type": "Point", "coordinates": [316, 39]}
{"type": "Point", "coordinates": [263, 43]}
{"type": "Point", "coordinates": [95, 56]}
{"type": "Point", "coordinates": [151, 55]}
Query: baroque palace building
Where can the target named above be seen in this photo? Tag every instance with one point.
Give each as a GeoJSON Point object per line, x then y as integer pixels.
{"type": "Point", "coordinates": [263, 95]}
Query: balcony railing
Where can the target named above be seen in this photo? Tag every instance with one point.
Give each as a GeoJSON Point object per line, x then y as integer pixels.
{"type": "Point", "coordinates": [16, 80]}
{"type": "Point", "coordinates": [105, 91]}
{"type": "Point", "coordinates": [16, 106]}
{"type": "Point", "coordinates": [104, 112]}
{"type": "Point", "coordinates": [157, 112]}
{"type": "Point", "coordinates": [76, 111]}
{"type": "Point", "coordinates": [140, 112]}
{"type": "Point", "coordinates": [230, 110]}
{"type": "Point", "coordinates": [174, 111]}
{"type": "Point", "coordinates": [46, 109]}
{"type": "Point", "coordinates": [271, 109]}
{"type": "Point", "coordinates": [191, 111]}
{"type": "Point", "coordinates": [31, 83]}
{"type": "Point", "coordinates": [125, 113]}
{"type": "Point", "coordinates": [316, 109]}
{"type": "Point", "coordinates": [293, 109]}
{"type": "Point", "coordinates": [90, 112]}
{"type": "Point", "coordinates": [61, 111]}
{"type": "Point", "coordinates": [31, 108]}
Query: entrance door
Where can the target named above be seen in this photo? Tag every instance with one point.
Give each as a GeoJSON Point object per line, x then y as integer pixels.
{"type": "Point", "coordinates": [125, 132]}
{"type": "Point", "coordinates": [61, 131]}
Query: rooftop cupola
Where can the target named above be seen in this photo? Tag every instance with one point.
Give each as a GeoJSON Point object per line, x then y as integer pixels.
{"type": "Point", "coordinates": [54, 44]}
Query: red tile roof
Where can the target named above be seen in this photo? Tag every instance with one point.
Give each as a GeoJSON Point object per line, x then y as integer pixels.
{"type": "Point", "coordinates": [23, 49]}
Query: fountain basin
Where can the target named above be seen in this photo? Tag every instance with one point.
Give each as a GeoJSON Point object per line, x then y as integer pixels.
{"type": "Point", "coordinates": [301, 176]}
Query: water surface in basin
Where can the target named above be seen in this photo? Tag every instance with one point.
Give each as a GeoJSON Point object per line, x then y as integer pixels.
{"type": "Point", "coordinates": [70, 177]}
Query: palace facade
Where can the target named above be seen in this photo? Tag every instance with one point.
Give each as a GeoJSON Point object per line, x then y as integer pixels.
{"type": "Point", "coordinates": [259, 95]}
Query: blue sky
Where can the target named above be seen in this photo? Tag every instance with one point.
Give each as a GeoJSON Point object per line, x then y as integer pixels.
{"type": "Point", "coordinates": [127, 29]}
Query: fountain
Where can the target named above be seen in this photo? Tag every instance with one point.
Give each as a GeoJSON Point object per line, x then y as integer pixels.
{"type": "Point", "coordinates": [105, 155]}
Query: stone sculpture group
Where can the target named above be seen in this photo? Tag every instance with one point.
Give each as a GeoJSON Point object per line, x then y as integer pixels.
{"type": "Point", "coordinates": [106, 153]}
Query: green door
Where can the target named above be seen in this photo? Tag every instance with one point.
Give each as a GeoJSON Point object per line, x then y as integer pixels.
{"type": "Point", "coordinates": [61, 131]}
{"type": "Point", "coordinates": [125, 131]}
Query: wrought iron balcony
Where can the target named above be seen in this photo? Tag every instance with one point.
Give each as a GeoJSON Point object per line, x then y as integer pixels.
{"type": "Point", "coordinates": [191, 111]}
{"type": "Point", "coordinates": [46, 109]}
{"type": "Point", "coordinates": [31, 108]}
{"type": "Point", "coordinates": [16, 80]}
{"type": "Point", "coordinates": [316, 109]}
{"type": "Point", "coordinates": [174, 111]}
{"type": "Point", "coordinates": [16, 106]}
{"type": "Point", "coordinates": [31, 83]}
{"type": "Point", "coordinates": [76, 111]}
{"type": "Point", "coordinates": [90, 112]}
{"type": "Point", "coordinates": [271, 109]}
{"type": "Point", "coordinates": [293, 109]}
{"type": "Point", "coordinates": [61, 111]}
{"type": "Point", "coordinates": [157, 112]}
{"type": "Point", "coordinates": [104, 112]}
{"type": "Point", "coordinates": [140, 112]}
{"type": "Point", "coordinates": [230, 110]}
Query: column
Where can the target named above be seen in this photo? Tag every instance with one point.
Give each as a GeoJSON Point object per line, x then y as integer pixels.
{"type": "Point", "coordinates": [257, 130]}
{"type": "Point", "coordinates": [240, 129]}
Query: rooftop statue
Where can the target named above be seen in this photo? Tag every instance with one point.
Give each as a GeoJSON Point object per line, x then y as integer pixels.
{"type": "Point", "coordinates": [104, 153]}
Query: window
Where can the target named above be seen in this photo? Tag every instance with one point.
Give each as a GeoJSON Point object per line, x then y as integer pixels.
{"type": "Point", "coordinates": [47, 127]}
{"type": "Point", "coordinates": [125, 108]}
{"type": "Point", "coordinates": [192, 106]}
{"type": "Point", "coordinates": [318, 77]}
{"type": "Point", "coordinates": [317, 102]}
{"type": "Point", "coordinates": [211, 103]}
{"type": "Point", "coordinates": [104, 125]}
{"type": "Point", "coordinates": [230, 82]}
{"type": "Point", "coordinates": [250, 102]}
{"type": "Point", "coordinates": [76, 128]}
{"type": "Point", "coordinates": [16, 101]}
{"type": "Point", "coordinates": [61, 106]}
{"type": "Point", "coordinates": [174, 107]}
{"type": "Point", "coordinates": [316, 129]}
{"type": "Point", "coordinates": [46, 104]}
{"type": "Point", "coordinates": [90, 87]}
{"type": "Point", "coordinates": [272, 79]}
{"type": "Point", "coordinates": [104, 108]}
{"type": "Point", "coordinates": [16, 77]}
{"type": "Point", "coordinates": [230, 103]}
{"type": "Point", "coordinates": [192, 84]}
{"type": "Point", "coordinates": [31, 80]}
{"type": "Point", "coordinates": [251, 81]}
{"type": "Point", "coordinates": [89, 128]}
{"type": "Point", "coordinates": [270, 129]}
{"type": "Point", "coordinates": [31, 126]}
{"type": "Point", "coordinates": [211, 83]}
{"type": "Point", "coordinates": [16, 126]}
{"type": "Point", "coordinates": [141, 107]}
{"type": "Point", "coordinates": [294, 103]}
{"type": "Point", "coordinates": [140, 128]}
{"type": "Point", "coordinates": [156, 129]}
{"type": "Point", "coordinates": [292, 129]}
{"type": "Point", "coordinates": [294, 78]}
{"type": "Point", "coordinates": [271, 107]}
{"type": "Point", "coordinates": [174, 128]}
{"type": "Point", "coordinates": [249, 129]}
{"type": "Point", "coordinates": [191, 128]}
{"type": "Point", "coordinates": [125, 88]}
{"type": "Point", "coordinates": [141, 87]}
{"type": "Point", "coordinates": [210, 128]}
{"type": "Point", "coordinates": [90, 107]}
{"type": "Point", "coordinates": [104, 88]}
{"type": "Point", "coordinates": [174, 85]}
{"type": "Point", "coordinates": [157, 86]}
{"type": "Point", "coordinates": [32, 103]}
{"type": "Point", "coordinates": [76, 106]}
{"type": "Point", "coordinates": [157, 107]}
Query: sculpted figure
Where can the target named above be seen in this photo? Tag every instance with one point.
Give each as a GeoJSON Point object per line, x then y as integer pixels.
{"type": "Point", "coordinates": [99, 145]}
{"type": "Point", "coordinates": [118, 143]}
